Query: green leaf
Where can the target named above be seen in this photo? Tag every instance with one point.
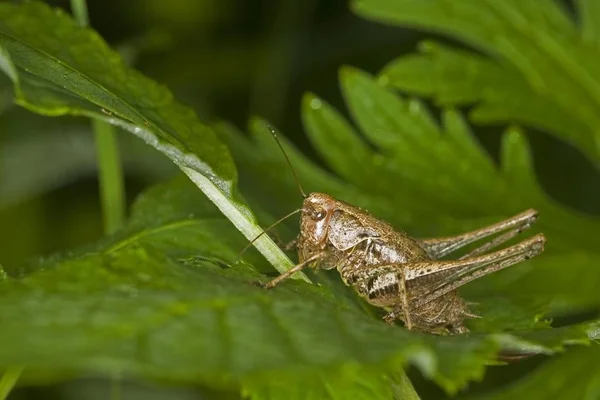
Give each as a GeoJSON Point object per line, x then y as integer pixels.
{"type": "Point", "coordinates": [350, 381]}
{"type": "Point", "coordinates": [410, 170]}
{"type": "Point", "coordinates": [434, 179]}
{"type": "Point", "coordinates": [574, 375]}
{"type": "Point", "coordinates": [589, 11]}
{"type": "Point", "coordinates": [164, 300]}
{"type": "Point", "coordinates": [67, 148]}
{"type": "Point", "coordinates": [59, 68]}
{"type": "Point", "coordinates": [539, 68]}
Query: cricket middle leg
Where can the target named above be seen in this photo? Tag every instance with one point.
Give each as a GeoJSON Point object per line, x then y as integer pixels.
{"type": "Point", "coordinates": [383, 286]}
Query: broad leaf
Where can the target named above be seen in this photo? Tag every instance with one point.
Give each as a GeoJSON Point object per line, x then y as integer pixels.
{"type": "Point", "coordinates": [538, 67]}
{"type": "Point", "coordinates": [60, 68]}
{"type": "Point", "coordinates": [164, 300]}
{"type": "Point", "coordinates": [164, 297]}
{"type": "Point", "coordinates": [570, 376]}
{"type": "Point", "coordinates": [67, 150]}
{"type": "Point", "coordinates": [432, 180]}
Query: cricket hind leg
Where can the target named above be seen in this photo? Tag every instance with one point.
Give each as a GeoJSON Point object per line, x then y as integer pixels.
{"type": "Point", "coordinates": [439, 247]}
{"type": "Point", "coordinates": [428, 281]}
{"type": "Point", "coordinates": [468, 270]}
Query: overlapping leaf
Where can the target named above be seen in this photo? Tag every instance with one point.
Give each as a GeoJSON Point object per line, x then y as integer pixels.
{"type": "Point", "coordinates": [60, 68]}
{"type": "Point", "coordinates": [435, 180]}
{"type": "Point", "coordinates": [540, 68]}
{"type": "Point", "coordinates": [570, 376]}
{"type": "Point", "coordinates": [432, 179]}
{"type": "Point", "coordinates": [161, 300]}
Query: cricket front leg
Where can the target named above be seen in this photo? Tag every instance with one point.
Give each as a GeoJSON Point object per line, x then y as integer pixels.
{"type": "Point", "coordinates": [292, 271]}
{"type": "Point", "coordinates": [286, 246]}
{"type": "Point", "coordinates": [291, 245]}
{"type": "Point", "coordinates": [439, 247]}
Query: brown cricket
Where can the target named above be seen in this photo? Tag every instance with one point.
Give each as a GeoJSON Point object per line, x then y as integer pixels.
{"type": "Point", "coordinates": [391, 270]}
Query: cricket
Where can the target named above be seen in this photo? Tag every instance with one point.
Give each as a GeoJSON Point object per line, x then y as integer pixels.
{"type": "Point", "coordinates": [404, 276]}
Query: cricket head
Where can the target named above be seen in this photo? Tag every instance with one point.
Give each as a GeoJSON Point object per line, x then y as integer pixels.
{"type": "Point", "coordinates": [317, 210]}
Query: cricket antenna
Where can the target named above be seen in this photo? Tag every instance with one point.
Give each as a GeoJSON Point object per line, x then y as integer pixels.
{"type": "Point", "coordinates": [270, 128]}
{"type": "Point", "coordinates": [265, 231]}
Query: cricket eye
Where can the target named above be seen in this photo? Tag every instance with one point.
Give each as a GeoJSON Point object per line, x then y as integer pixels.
{"type": "Point", "coordinates": [319, 215]}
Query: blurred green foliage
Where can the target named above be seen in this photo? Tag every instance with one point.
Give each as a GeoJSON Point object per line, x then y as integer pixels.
{"type": "Point", "coordinates": [163, 298]}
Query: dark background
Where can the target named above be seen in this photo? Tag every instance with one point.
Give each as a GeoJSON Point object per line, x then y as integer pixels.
{"type": "Point", "coordinates": [229, 60]}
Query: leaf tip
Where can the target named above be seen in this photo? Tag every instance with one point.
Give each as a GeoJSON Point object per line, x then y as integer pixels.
{"type": "Point", "coordinates": [427, 46]}
{"type": "Point", "coordinates": [348, 73]}
{"type": "Point", "coordinates": [311, 101]}
{"type": "Point", "coordinates": [513, 136]}
{"type": "Point", "coordinates": [384, 79]}
{"type": "Point", "coordinates": [357, 5]}
{"type": "Point", "coordinates": [256, 123]}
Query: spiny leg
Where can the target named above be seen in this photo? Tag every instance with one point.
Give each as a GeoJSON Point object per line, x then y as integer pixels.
{"type": "Point", "coordinates": [439, 247]}
{"type": "Point", "coordinates": [286, 246]}
{"type": "Point", "coordinates": [365, 279]}
{"type": "Point", "coordinates": [414, 270]}
{"type": "Point", "coordinates": [467, 271]}
{"type": "Point", "coordinates": [291, 245]}
{"type": "Point", "coordinates": [486, 265]}
{"type": "Point", "coordinates": [394, 314]}
{"type": "Point", "coordinates": [532, 246]}
{"type": "Point", "coordinates": [292, 271]}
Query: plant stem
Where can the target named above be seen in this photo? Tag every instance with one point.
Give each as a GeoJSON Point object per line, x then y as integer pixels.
{"type": "Point", "coordinates": [115, 387]}
{"type": "Point", "coordinates": [80, 12]}
{"type": "Point", "coordinates": [110, 172]}
{"type": "Point", "coordinates": [8, 381]}
{"type": "Point", "coordinates": [403, 387]}
{"type": "Point", "coordinates": [112, 190]}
